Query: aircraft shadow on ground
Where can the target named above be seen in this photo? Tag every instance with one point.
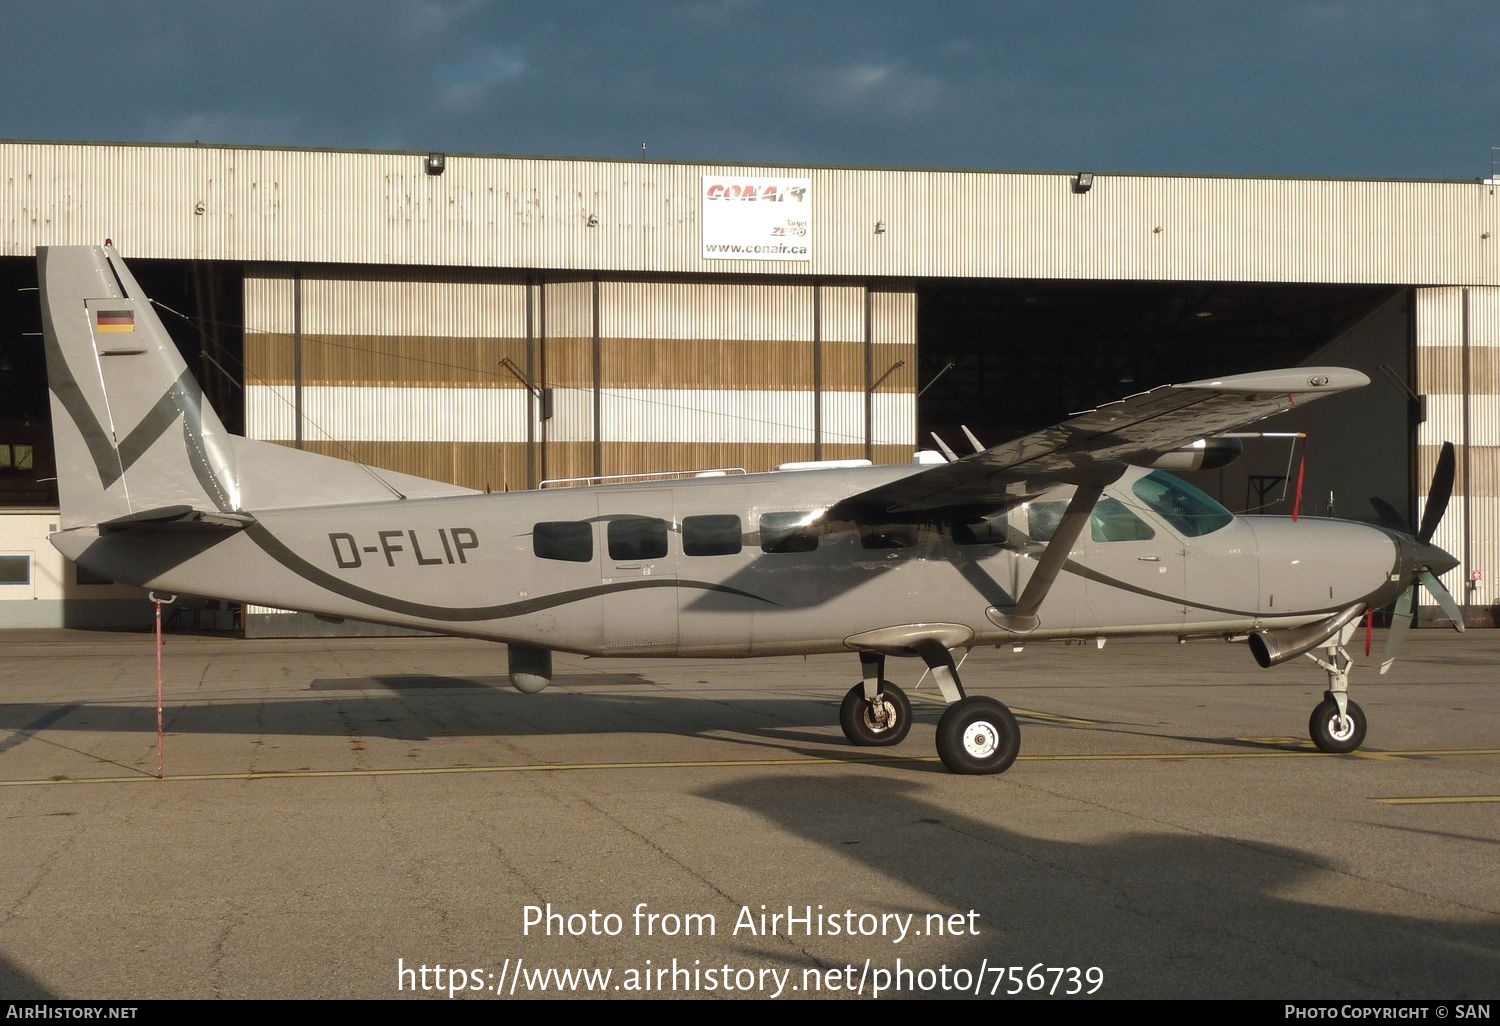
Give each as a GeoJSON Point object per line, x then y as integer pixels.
{"type": "Point", "coordinates": [18, 985]}
{"type": "Point", "coordinates": [1165, 915]}
{"type": "Point", "coordinates": [416, 707]}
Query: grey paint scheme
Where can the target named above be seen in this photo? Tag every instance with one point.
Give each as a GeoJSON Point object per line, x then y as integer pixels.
{"type": "Point", "coordinates": [218, 515]}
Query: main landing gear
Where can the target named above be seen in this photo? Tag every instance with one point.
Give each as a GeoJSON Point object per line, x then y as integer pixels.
{"type": "Point", "coordinates": [976, 735]}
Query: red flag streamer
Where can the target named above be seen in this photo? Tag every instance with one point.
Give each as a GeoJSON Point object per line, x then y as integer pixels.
{"type": "Point", "coordinates": [1369, 631]}
{"type": "Point", "coordinates": [1301, 478]}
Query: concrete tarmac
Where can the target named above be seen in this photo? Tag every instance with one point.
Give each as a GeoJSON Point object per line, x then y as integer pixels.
{"type": "Point", "coordinates": [340, 818]}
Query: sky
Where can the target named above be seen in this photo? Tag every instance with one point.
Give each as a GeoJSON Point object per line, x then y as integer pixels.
{"type": "Point", "coordinates": [1325, 88]}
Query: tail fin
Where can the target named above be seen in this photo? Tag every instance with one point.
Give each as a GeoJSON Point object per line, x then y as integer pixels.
{"type": "Point", "coordinates": [119, 389]}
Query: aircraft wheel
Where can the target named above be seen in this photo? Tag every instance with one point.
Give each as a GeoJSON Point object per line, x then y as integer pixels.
{"type": "Point", "coordinates": [1331, 734]}
{"type": "Point", "coordinates": [879, 724]}
{"type": "Point", "coordinates": [978, 735]}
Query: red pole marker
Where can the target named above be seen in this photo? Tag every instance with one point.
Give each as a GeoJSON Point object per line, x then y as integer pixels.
{"type": "Point", "coordinates": [159, 733]}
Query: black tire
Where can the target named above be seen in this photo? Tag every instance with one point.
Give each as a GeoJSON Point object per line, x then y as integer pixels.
{"type": "Point", "coordinates": [864, 728]}
{"type": "Point", "coordinates": [978, 735]}
{"type": "Point", "coordinates": [1332, 736]}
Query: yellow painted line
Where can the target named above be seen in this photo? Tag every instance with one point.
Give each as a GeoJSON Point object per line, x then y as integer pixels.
{"type": "Point", "coordinates": [1457, 799]}
{"type": "Point", "coordinates": [408, 771]}
{"type": "Point", "coordinates": [1032, 714]}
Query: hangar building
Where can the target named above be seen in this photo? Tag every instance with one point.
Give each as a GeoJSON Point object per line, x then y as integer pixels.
{"type": "Point", "coordinates": [501, 322]}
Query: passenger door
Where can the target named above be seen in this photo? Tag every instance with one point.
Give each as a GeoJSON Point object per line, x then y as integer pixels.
{"type": "Point", "coordinates": [637, 568]}
{"type": "Point", "coordinates": [1137, 575]}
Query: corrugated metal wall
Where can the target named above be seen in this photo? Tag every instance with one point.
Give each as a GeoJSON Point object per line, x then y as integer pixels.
{"type": "Point", "coordinates": [300, 206]}
{"type": "Point", "coordinates": [1458, 344]}
{"type": "Point", "coordinates": [625, 377]}
{"type": "Point", "coordinates": [401, 373]}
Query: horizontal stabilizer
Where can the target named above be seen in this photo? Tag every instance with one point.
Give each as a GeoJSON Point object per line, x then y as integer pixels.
{"type": "Point", "coordinates": [177, 517]}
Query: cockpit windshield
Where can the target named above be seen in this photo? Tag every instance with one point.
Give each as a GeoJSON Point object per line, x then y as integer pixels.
{"type": "Point", "coordinates": [1187, 509]}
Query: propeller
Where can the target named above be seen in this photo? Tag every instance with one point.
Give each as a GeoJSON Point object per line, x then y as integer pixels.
{"type": "Point", "coordinates": [1419, 557]}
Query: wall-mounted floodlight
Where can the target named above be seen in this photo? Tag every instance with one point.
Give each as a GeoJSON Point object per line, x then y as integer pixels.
{"type": "Point", "coordinates": [436, 163]}
{"type": "Point", "coordinates": [879, 227]}
{"type": "Point", "coordinates": [1083, 181]}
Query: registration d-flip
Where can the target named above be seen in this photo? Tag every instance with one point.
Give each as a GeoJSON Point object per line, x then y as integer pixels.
{"type": "Point", "coordinates": [1074, 532]}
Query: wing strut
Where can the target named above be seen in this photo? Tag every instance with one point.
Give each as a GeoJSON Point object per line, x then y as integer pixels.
{"type": "Point", "coordinates": [1021, 618]}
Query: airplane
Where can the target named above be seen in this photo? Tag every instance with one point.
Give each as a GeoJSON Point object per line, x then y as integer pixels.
{"type": "Point", "coordinates": [1072, 532]}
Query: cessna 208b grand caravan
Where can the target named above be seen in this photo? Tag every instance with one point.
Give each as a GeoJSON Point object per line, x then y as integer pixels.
{"type": "Point", "coordinates": [1071, 532]}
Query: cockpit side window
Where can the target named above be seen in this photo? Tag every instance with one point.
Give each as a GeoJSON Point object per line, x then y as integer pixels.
{"type": "Point", "coordinates": [1187, 509]}
{"type": "Point", "coordinates": [1110, 521]}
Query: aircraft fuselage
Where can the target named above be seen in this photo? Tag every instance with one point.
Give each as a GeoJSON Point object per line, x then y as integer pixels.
{"type": "Point", "coordinates": [743, 566]}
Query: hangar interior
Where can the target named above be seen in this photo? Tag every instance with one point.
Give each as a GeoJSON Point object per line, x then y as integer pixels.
{"type": "Point", "coordinates": [210, 335]}
{"type": "Point", "coordinates": [998, 357]}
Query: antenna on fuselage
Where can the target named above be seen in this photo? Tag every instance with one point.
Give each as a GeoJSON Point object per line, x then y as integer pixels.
{"type": "Point", "coordinates": [943, 446]}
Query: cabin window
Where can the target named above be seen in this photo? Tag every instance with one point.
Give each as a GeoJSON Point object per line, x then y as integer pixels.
{"type": "Point", "coordinates": [1042, 519]}
{"type": "Point", "coordinates": [15, 569]}
{"type": "Point", "coordinates": [1112, 522]}
{"type": "Point", "coordinates": [787, 532]}
{"type": "Point", "coordinates": [637, 538]}
{"type": "Point", "coordinates": [1181, 505]}
{"type": "Point", "coordinates": [712, 535]}
{"type": "Point", "coordinates": [887, 536]}
{"type": "Point", "coordinates": [569, 540]}
{"type": "Point", "coordinates": [15, 457]}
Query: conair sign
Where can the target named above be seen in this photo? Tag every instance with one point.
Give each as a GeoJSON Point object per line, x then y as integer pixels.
{"type": "Point", "coordinates": [757, 218]}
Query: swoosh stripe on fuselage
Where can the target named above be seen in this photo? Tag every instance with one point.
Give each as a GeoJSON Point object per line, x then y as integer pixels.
{"type": "Point", "coordinates": [277, 550]}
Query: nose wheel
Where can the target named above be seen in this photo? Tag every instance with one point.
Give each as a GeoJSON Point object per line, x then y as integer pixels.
{"type": "Point", "coordinates": [1337, 725]}
{"type": "Point", "coordinates": [1336, 732]}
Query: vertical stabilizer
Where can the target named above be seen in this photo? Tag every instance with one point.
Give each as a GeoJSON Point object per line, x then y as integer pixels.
{"type": "Point", "coordinates": [132, 430]}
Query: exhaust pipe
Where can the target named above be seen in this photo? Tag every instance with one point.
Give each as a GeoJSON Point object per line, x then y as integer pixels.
{"type": "Point", "coordinates": [1274, 647]}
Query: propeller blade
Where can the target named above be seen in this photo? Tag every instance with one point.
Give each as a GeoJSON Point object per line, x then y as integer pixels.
{"type": "Point", "coordinates": [1442, 598]}
{"type": "Point", "coordinates": [1401, 618]}
{"type": "Point", "coordinates": [1438, 494]}
{"type": "Point", "coordinates": [1388, 515]}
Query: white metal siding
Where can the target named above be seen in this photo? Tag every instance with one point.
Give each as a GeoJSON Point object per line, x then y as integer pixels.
{"type": "Point", "coordinates": [380, 208]}
{"type": "Point", "coordinates": [1440, 363]}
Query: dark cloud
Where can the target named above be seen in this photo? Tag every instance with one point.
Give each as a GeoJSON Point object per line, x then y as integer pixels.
{"type": "Point", "coordinates": [1334, 88]}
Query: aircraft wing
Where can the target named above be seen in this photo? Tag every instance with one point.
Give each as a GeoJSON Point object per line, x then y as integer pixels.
{"type": "Point", "coordinates": [1093, 448]}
